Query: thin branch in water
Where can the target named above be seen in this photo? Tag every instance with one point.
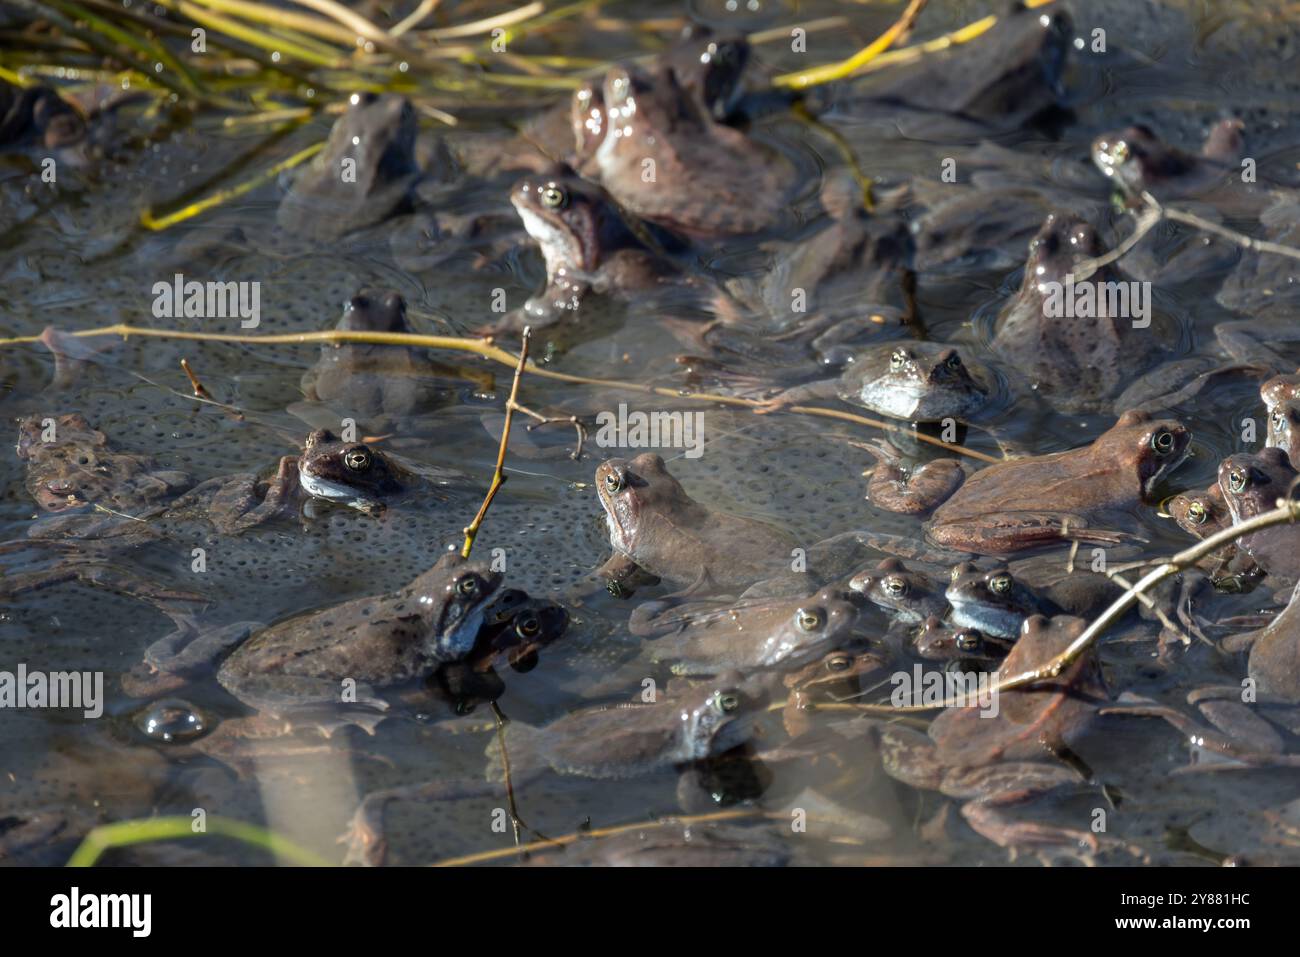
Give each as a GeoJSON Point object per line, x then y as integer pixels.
{"type": "Point", "coordinates": [498, 474]}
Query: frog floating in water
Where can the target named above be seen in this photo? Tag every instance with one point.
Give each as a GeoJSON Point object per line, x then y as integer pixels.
{"type": "Point", "coordinates": [704, 638]}
{"type": "Point", "coordinates": [662, 155]}
{"type": "Point", "coordinates": [1083, 361]}
{"type": "Point", "coordinates": [688, 722]}
{"type": "Point", "coordinates": [656, 529]}
{"type": "Point", "coordinates": [378, 385]}
{"type": "Point", "coordinates": [991, 762]}
{"type": "Point", "coordinates": [994, 84]}
{"type": "Point", "coordinates": [1251, 485]}
{"type": "Point", "coordinates": [589, 247]}
{"type": "Point", "coordinates": [910, 596]}
{"type": "Point", "coordinates": [301, 664]}
{"type": "Point", "coordinates": [1079, 495]}
{"type": "Point", "coordinates": [914, 381]}
{"type": "Point", "coordinates": [364, 175]}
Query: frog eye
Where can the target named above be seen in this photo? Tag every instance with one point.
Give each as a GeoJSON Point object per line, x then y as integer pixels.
{"type": "Point", "coordinates": [897, 360]}
{"type": "Point", "coordinates": [808, 619]}
{"type": "Point", "coordinates": [1000, 584]}
{"type": "Point", "coordinates": [726, 701]}
{"type": "Point", "coordinates": [1238, 480]}
{"type": "Point", "coordinates": [528, 627]}
{"type": "Point", "coordinates": [554, 197]}
{"type": "Point", "coordinates": [968, 641]}
{"type": "Point", "coordinates": [894, 586]}
{"type": "Point", "coordinates": [358, 459]}
{"type": "Point", "coordinates": [469, 585]}
{"type": "Point", "coordinates": [953, 362]}
{"type": "Point", "coordinates": [1163, 442]}
{"type": "Point", "coordinates": [1197, 513]}
{"type": "Point", "coordinates": [1119, 152]}
{"type": "Point", "coordinates": [838, 663]}
{"type": "Point", "coordinates": [614, 481]}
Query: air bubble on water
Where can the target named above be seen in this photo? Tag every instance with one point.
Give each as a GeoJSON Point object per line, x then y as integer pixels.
{"type": "Point", "coordinates": [171, 720]}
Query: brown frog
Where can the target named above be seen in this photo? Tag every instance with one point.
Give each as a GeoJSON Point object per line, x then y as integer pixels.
{"type": "Point", "coordinates": [375, 384]}
{"type": "Point", "coordinates": [1085, 494]}
{"type": "Point", "coordinates": [1252, 485]}
{"type": "Point", "coordinates": [749, 635]}
{"type": "Point", "coordinates": [913, 381]}
{"type": "Point", "coordinates": [655, 528]}
{"type": "Point", "coordinates": [834, 678]}
{"type": "Point", "coordinates": [1077, 345]}
{"type": "Point", "coordinates": [364, 175]}
{"type": "Point", "coordinates": [1138, 161]}
{"type": "Point", "coordinates": [38, 114]}
{"type": "Point", "coordinates": [366, 478]}
{"type": "Point", "coordinates": [688, 722]}
{"type": "Point", "coordinates": [993, 761]}
{"type": "Point", "coordinates": [644, 131]}
{"type": "Point", "coordinates": [938, 640]}
{"type": "Point", "coordinates": [1284, 429]}
{"type": "Point", "coordinates": [996, 83]}
{"type": "Point", "coordinates": [909, 596]}
{"type": "Point", "coordinates": [332, 661]}
{"type": "Point", "coordinates": [589, 247]}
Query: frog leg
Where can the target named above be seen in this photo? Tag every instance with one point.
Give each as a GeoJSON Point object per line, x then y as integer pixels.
{"type": "Point", "coordinates": [1014, 531]}
{"type": "Point", "coordinates": [824, 390]}
{"type": "Point", "coordinates": [281, 499]}
{"type": "Point", "coordinates": [108, 577]}
{"type": "Point", "coordinates": [895, 490]}
{"type": "Point", "coordinates": [182, 655]}
{"type": "Point", "coordinates": [623, 576]}
{"type": "Point", "coordinates": [989, 790]}
{"type": "Point", "coordinates": [1248, 340]}
{"type": "Point", "coordinates": [365, 837]}
{"type": "Point", "coordinates": [1228, 753]}
{"type": "Point", "coordinates": [908, 755]}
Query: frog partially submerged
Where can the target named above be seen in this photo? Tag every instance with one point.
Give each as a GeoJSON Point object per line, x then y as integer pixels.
{"type": "Point", "coordinates": [913, 381]}
{"type": "Point", "coordinates": [1077, 358]}
{"type": "Point", "coordinates": [331, 663]}
{"type": "Point", "coordinates": [1085, 494]}
{"type": "Point", "coordinates": [366, 478]}
{"type": "Point", "coordinates": [689, 722]}
{"type": "Point", "coordinates": [963, 645]}
{"type": "Point", "coordinates": [991, 762]}
{"type": "Point", "coordinates": [761, 633]}
{"type": "Point", "coordinates": [657, 529]}
{"type": "Point", "coordinates": [908, 595]}
{"type": "Point", "coordinates": [994, 84]}
{"type": "Point", "coordinates": [643, 133]}
{"type": "Point", "coordinates": [997, 600]}
{"type": "Point", "coordinates": [372, 383]}
{"type": "Point", "coordinates": [364, 175]}
{"type": "Point", "coordinates": [1251, 485]}
{"type": "Point", "coordinates": [589, 247]}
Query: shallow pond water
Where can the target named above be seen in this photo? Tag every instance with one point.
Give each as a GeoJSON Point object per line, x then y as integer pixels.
{"type": "Point", "coordinates": [78, 259]}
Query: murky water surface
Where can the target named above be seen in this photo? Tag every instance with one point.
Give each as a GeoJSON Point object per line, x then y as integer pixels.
{"type": "Point", "coordinates": [77, 259]}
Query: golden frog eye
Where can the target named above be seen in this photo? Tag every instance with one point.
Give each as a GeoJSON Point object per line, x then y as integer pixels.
{"type": "Point", "coordinates": [528, 627]}
{"type": "Point", "coordinates": [358, 459]}
{"type": "Point", "coordinates": [1197, 513]}
{"type": "Point", "coordinates": [1163, 442]}
{"type": "Point", "coordinates": [897, 360]}
{"type": "Point", "coordinates": [967, 641]}
{"type": "Point", "coordinates": [727, 701]}
{"type": "Point", "coordinates": [895, 586]}
{"type": "Point", "coordinates": [469, 585]}
{"type": "Point", "coordinates": [838, 663]}
{"type": "Point", "coordinates": [808, 619]}
{"type": "Point", "coordinates": [1000, 584]}
{"type": "Point", "coordinates": [554, 197]}
{"type": "Point", "coordinates": [1237, 480]}
{"type": "Point", "coordinates": [614, 481]}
